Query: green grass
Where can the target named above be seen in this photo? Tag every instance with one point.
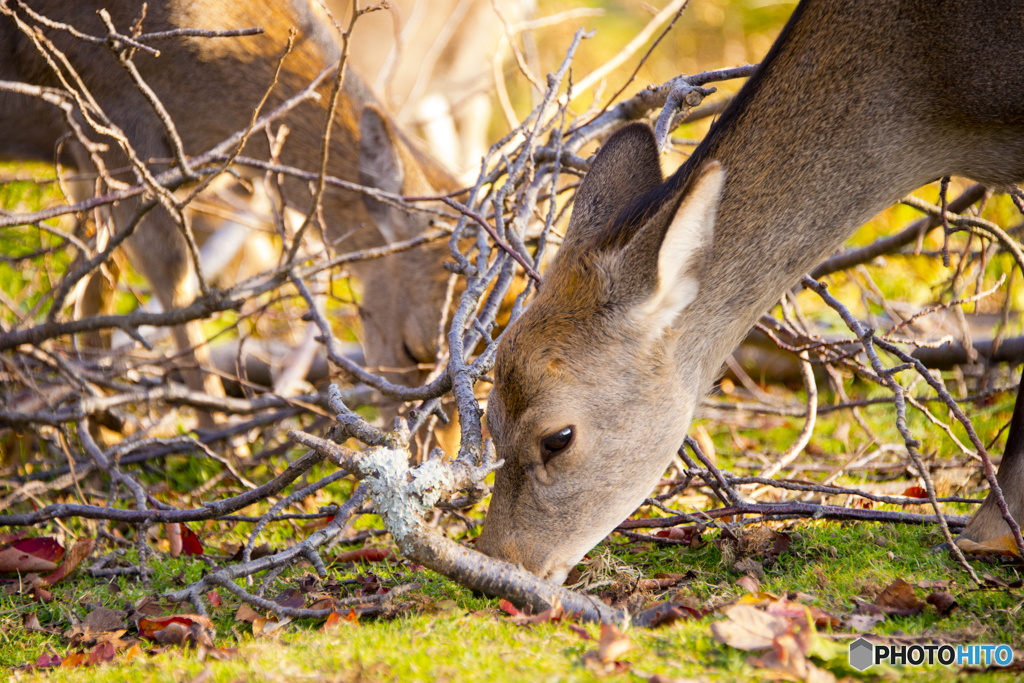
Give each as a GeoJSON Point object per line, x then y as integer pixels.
{"type": "Point", "coordinates": [448, 633]}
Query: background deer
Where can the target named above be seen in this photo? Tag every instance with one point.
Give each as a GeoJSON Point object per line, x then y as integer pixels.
{"type": "Point", "coordinates": [855, 105]}
{"type": "Point", "coordinates": [210, 88]}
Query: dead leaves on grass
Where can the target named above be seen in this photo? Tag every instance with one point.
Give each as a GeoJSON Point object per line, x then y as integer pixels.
{"type": "Point", "coordinates": [30, 556]}
{"type": "Point", "coordinates": [788, 643]}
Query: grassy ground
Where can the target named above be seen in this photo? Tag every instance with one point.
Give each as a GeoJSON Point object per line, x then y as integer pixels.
{"type": "Point", "coordinates": [441, 632]}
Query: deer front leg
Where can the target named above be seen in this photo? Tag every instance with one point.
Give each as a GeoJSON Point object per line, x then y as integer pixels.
{"type": "Point", "coordinates": [158, 249]}
{"type": "Point", "coordinates": [988, 523]}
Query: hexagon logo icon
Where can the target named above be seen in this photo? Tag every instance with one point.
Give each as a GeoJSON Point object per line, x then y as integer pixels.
{"type": "Point", "coordinates": [862, 654]}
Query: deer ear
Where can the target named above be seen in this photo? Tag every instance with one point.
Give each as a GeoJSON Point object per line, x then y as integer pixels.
{"type": "Point", "coordinates": [687, 240]}
{"type": "Point", "coordinates": [380, 165]}
{"type": "Point", "coordinates": [626, 166]}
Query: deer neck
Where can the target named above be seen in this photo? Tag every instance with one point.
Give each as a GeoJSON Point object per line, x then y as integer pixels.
{"type": "Point", "coordinates": [821, 139]}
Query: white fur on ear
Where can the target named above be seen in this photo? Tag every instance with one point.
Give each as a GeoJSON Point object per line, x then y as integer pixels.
{"type": "Point", "coordinates": [692, 229]}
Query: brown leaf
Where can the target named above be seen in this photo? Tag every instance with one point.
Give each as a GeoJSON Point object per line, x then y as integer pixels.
{"type": "Point", "coordinates": [862, 623]}
{"type": "Point", "coordinates": [149, 626]}
{"type": "Point", "coordinates": [655, 584]}
{"type": "Point", "coordinates": [264, 627]}
{"type": "Point", "coordinates": [291, 597]}
{"type": "Point", "coordinates": [73, 660]}
{"type": "Point", "coordinates": [899, 599]}
{"type": "Point", "coordinates": [103, 619]}
{"type": "Point", "coordinates": [29, 555]}
{"type": "Point", "coordinates": [1004, 545]}
{"type": "Point", "coordinates": [613, 644]}
{"type": "Point", "coordinates": [799, 611]}
{"type": "Point", "coordinates": [214, 598]}
{"type": "Point", "coordinates": [30, 622]}
{"type": "Point", "coordinates": [335, 620]}
{"type": "Point", "coordinates": [748, 628]}
{"type": "Point", "coordinates": [748, 583]}
{"type": "Point", "coordinates": [326, 602]}
{"type": "Point", "coordinates": [780, 545]}
{"type": "Point", "coordinates": [666, 613]}
{"type": "Point", "coordinates": [942, 601]}
{"type": "Point", "coordinates": [246, 614]}
{"type": "Point", "coordinates": [80, 550]}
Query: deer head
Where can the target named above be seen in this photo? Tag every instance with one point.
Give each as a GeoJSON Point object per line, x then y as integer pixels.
{"type": "Point", "coordinates": [402, 293]}
{"type": "Point", "coordinates": [590, 401]}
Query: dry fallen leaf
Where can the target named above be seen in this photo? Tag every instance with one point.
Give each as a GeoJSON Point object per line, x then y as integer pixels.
{"type": "Point", "coordinates": [1004, 545]}
{"type": "Point", "coordinates": [748, 583]}
{"type": "Point", "coordinates": [748, 628]}
{"type": "Point", "coordinates": [613, 644]}
{"type": "Point", "coordinates": [80, 550]}
{"type": "Point", "coordinates": [862, 623]}
{"type": "Point", "coordinates": [30, 555]}
{"type": "Point", "coordinates": [262, 627]}
{"type": "Point", "coordinates": [335, 620]}
{"type": "Point", "coordinates": [899, 599]}
{"type": "Point", "coordinates": [246, 614]}
{"type": "Point", "coordinates": [943, 602]}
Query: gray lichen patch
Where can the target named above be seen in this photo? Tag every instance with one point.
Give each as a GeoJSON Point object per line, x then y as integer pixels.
{"type": "Point", "coordinates": [401, 496]}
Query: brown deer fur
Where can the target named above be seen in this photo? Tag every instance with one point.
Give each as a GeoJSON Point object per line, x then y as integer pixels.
{"type": "Point", "coordinates": [210, 87]}
{"type": "Point", "coordinates": [856, 104]}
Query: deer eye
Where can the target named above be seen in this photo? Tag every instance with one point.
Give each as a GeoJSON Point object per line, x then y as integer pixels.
{"type": "Point", "coordinates": [553, 444]}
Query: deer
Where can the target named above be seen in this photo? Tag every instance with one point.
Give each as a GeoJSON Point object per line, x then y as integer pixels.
{"type": "Point", "coordinates": [210, 88]}
{"type": "Point", "coordinates": [855, 105]}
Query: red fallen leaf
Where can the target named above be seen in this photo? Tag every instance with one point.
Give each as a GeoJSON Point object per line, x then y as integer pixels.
{"type": "Point", "coordinates": [104, 652]}
{"type": "Point", "coordinates": [9, 538]}
{"type": "Point", "coordinates": [214, 598]}
{"type": "Point", "coordinates": [48, 661]}
{"type": "Point", "coordinates": [81, 549]}
{"type": "Point", "coordinates": [364, 555]}
{"type": "Point", "coordinates": [580, 631]}
{"type": "Point", "coordinates": [190, 543]}
{"type": "Point", "coordinates": [555, 614]}
{"type": "Point", "coordinates": [509, 607]}
{"type": "Point", "coordinates": [915, 492]}
{"type": "Point", "coordinates": [291, 597]}
{"type": "Point", "coordinates": [31, 555]}
{"type": "Point", "coordinates": [149, 626]}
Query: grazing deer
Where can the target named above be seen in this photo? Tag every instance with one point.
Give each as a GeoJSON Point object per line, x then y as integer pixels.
{"type": "Point", "coordinates": [210, 88]}
{"type": "Point", "coordinates": [855, 105]}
